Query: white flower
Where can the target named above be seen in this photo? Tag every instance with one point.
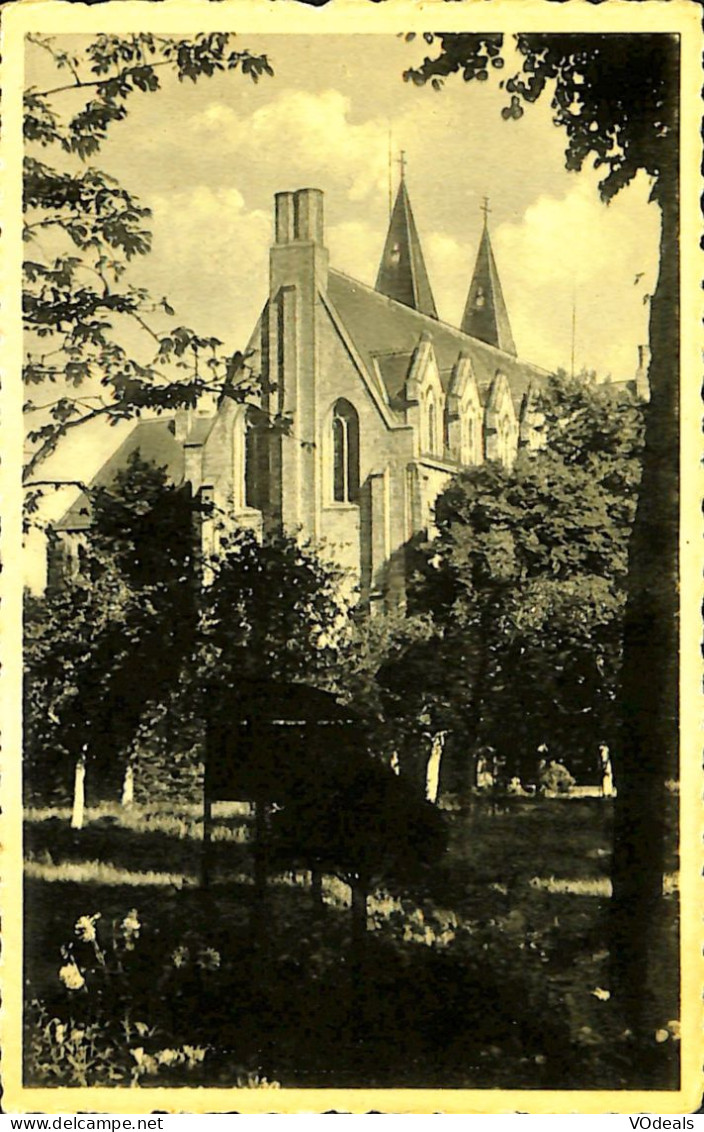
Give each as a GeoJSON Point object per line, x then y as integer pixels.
{"type": "Point", "coordinates": [662, 1035]}
{"type": "Point", "coordinates": [85, 928]}
{"type": "Point", "coordinates": [167, 1056]}
{"type": "Point", "coordinates": [194, 1054]}
{"type": "Point", "coordinates": [674, 1028]}
{"type": "Point", "coordinates": [71, 977]}
{"type": "Point", "coordinates": [130, 929]}
{"type": "Point", "coordinates": [601, 994]}
{"type": "Point", "coordinates": [209, 959]}
{"type": "Point", "coordinates": [131, 924]}
{"type": "Point", "coordinates": [180, 956]}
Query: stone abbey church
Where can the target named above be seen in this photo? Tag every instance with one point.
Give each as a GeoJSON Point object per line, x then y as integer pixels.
{"type": "Point", "coordinates": [387, 402]}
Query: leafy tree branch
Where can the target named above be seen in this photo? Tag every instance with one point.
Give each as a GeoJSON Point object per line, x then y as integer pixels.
{"type": "Point", "coordinates": [77, 303]}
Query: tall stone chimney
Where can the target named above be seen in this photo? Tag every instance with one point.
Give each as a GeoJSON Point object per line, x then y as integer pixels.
{"type": "Point", "coordinates": [298, 277]}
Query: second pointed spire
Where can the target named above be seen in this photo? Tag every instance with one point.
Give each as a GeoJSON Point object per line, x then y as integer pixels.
{"type": "Point", "coordinates": [485, 314]}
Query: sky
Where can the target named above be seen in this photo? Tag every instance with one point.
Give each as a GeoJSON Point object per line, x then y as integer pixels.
{"type": "Point", "coordinates": [208, 159]}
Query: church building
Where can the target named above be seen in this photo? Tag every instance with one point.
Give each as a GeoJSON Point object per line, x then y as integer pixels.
{"type": "Point", "coordinates": [386, 403]}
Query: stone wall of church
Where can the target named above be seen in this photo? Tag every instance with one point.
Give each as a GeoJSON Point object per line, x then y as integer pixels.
{"type": "Point", "coordinates": [431, 479]}
{"type": "Point", "coordinates": [368, 531]}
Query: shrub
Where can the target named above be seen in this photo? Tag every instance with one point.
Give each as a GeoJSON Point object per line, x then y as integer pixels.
{"type": "Point", "coordinates": [105, 1024]}
{"type": "Point", "coordinates": [554, 778]}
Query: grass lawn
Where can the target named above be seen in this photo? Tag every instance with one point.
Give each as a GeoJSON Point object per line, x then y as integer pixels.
{"type": "Point", "coordinates": [492, 972]}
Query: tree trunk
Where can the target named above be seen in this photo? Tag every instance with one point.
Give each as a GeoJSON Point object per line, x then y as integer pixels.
{"type": "Point", "coordinates": [474, 716]}
{"type": "Point", "coordinates": [316, 889]}
{"type": "Point", "coordinates": [432, 770]}
{"type": "Point", "coordinates": [79, 792]}
{"type": "Point", "coordinates": [128, 786]}
{"type": "Point", "coordinates": [647, 753]}
{"type": "Point", "coordinates": [360, 894]}
{"type": "Point", "coordinates": [260, 856]}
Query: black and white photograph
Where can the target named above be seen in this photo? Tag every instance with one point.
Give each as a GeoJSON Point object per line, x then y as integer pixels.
{"type": "Point", "coordinates": [351, 657]}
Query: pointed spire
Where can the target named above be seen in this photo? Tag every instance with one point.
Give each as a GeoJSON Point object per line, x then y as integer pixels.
{"type": "Point", "coordinates": [402, 272]}
{"type": "Point", "coordinates": [485, 315]}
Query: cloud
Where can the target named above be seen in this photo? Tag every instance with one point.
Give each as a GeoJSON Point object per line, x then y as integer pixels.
{"type": "Point", "coordinates": [321, 140]}
{"type": "Point", "coordinates": [210, 259]}
{"type": "Point", "coordinates": [355, 248]}
{"type": "Point", "coordinates": [575, 248]}
{"type": "Point", "coordinates": [571, 239]}
{"type": "Point", "coordinates": [450, 265]}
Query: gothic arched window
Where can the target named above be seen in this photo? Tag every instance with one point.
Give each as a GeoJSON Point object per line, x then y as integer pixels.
{"type": "Point", "coordinates": [254, 460]}
{"type": "Point", "coordinates": [345, 452]}
{"type": "Point", "coordinates": [432, 427]}
{"type": "Point", "coordinates": [468, 454]}
{"type": "Point", "coordinates": [432, 439]}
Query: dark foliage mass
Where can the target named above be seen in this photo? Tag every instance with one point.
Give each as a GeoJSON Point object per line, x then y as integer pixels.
{"type": "Point", "coordinates": [356, 819]}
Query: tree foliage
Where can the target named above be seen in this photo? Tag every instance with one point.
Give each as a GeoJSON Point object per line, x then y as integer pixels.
{"type": "Point", "coordinates": [526, 579]}
{"type": "Point", "coordinates": [360, 822]}
{"type": "Point", "coordinates": [107, 644]}
{"type": "Point", "coordinates": [273, 610]}
{"type": "Point", "coordinates": [95, 337]}
{"type": "Point", "coordinates": [611, 94]}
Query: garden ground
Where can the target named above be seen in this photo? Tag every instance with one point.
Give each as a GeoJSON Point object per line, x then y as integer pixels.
{"type": "Point", "coordinates": [491, 972]}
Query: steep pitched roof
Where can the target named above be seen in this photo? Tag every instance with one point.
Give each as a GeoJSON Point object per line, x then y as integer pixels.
{"type": "Point", "coordinates": [485, 315]}
{"type": "Point", "coordinates": [156, 444]}
{"type": "Point", "coordinates": [385, 334]}
{"type": "Point", "coordinates": [402, 272]}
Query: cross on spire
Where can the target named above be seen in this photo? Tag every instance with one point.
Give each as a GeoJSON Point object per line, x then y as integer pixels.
{"type": "Point", "coordinates": [484, 206]}
{"type": "Point", "coordinates": [402, 162]}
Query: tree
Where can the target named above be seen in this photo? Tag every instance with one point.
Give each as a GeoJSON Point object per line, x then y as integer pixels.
{"type": "Point", "coordinates": [272, 615]}
{"type": "Point", "coordinates": [84, 230]}
{"type": "Point", "coordinates": [398, 676]}
{"type": "Point", "coordinates": [136, 627]}
{"type": "Point", "coordinates": [525, 581]}
{"type": "Point", "coordinates": [108, 643]}
{"type": "Point", "coordinates": [273, 610]}
{"type": "Point", "coordinates": [615, 96]}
